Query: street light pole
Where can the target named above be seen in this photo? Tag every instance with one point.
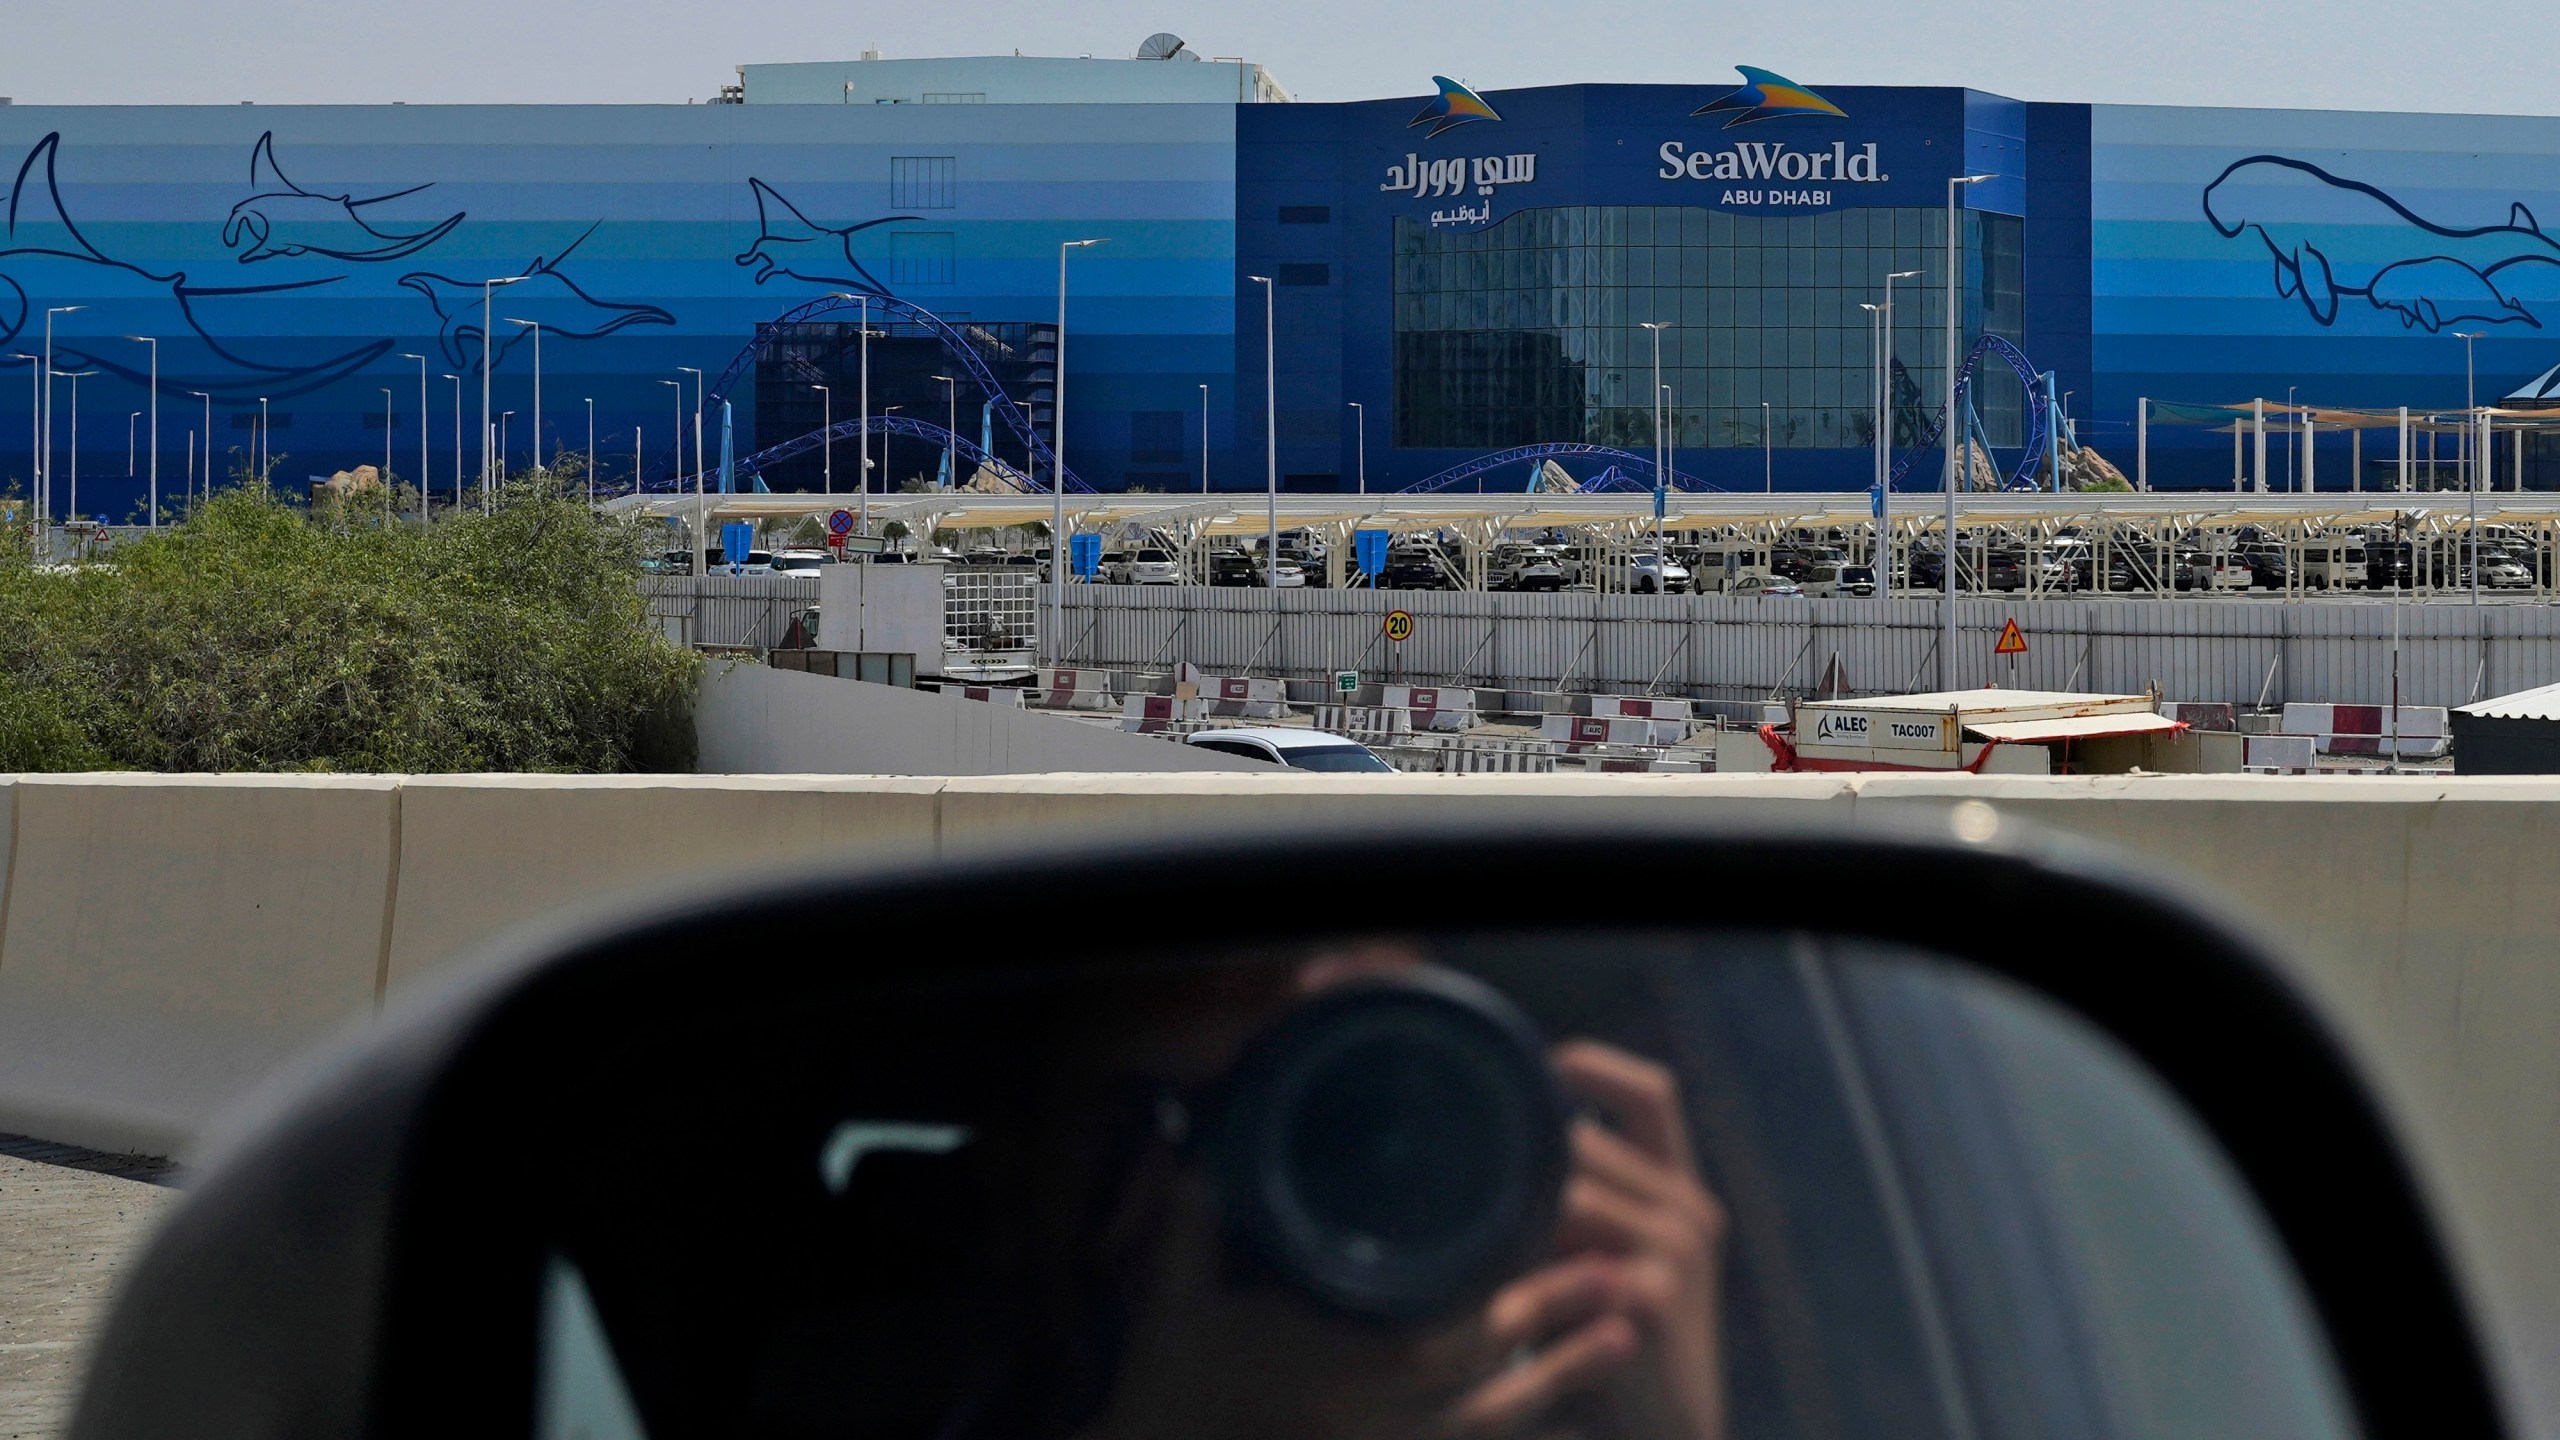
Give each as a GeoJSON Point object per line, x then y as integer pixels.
{"type": "Point", "coordinates": [44, 490]}
{"type": "Point", "coordinates": [265, 448]}
{"type": "Point", "coordinates": [699, 465]}
{"type": "Point", "coordinates": [1661, 465]}
{"type": "Point", "coordinates": [1884, 432]}
{"type": "Point", "coordinates": [1058, 461]}
{"type": "Point", "coordinates": [155, 423]}
{"type": "Point", "coordinates": [2470, 407]}
{"type": "Point", "coordinates": [488, 463]}
{"type": "Point", "coordinates": [1270, 433]}
{"type": "Point", "coordinates": [591, 451]}
{"type": "Point", "coordinates": [386, 454]}
{"type": "Point", "coordinates": [1360, 417]}
{"type": "Point", "coordinates": [35, 447]}
{"type": "Point", "coordinates": [1953, 429]}
{"type": "Point", "coordinates": [701, 506]}
{"type": "Point", "coordinates": [424, 417]}
{"type": "Point", "coordinates": [1204, 439]}
{"type": "Point", "coordinates": [457, 451]}
{"type": "Point", "coordinates": [208, 447]}
{"type": "Point", "coordinates": [503, 417]}
{"type": "Point", "coordinates": [1768, 454]}
{"type": "Point", "coordinates": [1875, 464]}
{"type": "Point", "coordinates": [74, 377]}
{"type": "Point", "coordinates": [536, 327]}
{"type": "Point", "coordinates": [950, 429]}
{"type": "Point", "coordinates": [827, 434]}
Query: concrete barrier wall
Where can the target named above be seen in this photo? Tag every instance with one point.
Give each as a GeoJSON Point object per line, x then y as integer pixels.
{"type": "Point", "coordinates": [751, 719]}
{"type": "Point", "coordinates": [165, 941]}
{"type": "Point", "coordinates": [169, 940]}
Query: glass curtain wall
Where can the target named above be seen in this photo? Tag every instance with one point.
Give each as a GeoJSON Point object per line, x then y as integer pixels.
{"type": "Point", "coordinates": [1530, 331]}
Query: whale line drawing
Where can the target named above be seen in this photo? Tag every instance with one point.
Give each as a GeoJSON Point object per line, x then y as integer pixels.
{"type": "Point", "coordinates": [265, 221]}
{"type": "Point", "coordinates": [777, 249]}
{"type": "Point", "coordinates": [44, 256]}
{"type": "Point", "coordinates": [2441, 275]}
{"type": "Point", "coordinates": [543, 290]}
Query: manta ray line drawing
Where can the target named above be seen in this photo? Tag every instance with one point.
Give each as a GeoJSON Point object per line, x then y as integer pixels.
{"type": "Point", "coordinates": [269, 222]}
{"type": "Point", "coordinates": [44, 257]}
{"type": "Point", "coordinates": [542, 290]}
{"type": "Point", "coordinates": [786, 240]}
{"type": "Point", "coordinates": [2336, 237]}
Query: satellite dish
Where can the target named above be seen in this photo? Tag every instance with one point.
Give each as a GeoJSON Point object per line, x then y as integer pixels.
{"type": "Point", "coordinates": [1163, 45]}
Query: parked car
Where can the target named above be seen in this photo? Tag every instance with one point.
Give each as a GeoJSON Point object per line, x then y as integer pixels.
{"type": "Point", "coordinates": [803, 563]}
{"type": "Point", "coordinates": [1763, 586]}
{"type": "Point", "coordinates": [670, 562]}
{"type": "Point", "coordinates": [1415, 567]}
{"type": "Point", "coordinates": [1525, 567]}
{"type": "Point", "coordinates": [755, 562]}
{"type": "Point", "coordinates": [1283, 576]}
{"type": "Point", "coordinates": [1152, 566]}
{"type": "Point", "coordinates": [1310, 564]}
{"type": "Point", "coordinates": [2221, 571]}
{"type": "Point", "coordinates": [2268, 566]}
{"type": "Point", "coordinates": [1230, 568]}
{"type": "Point", "coordinates": [1652, 574]}
{"type": "Point", "coordinates": [1297, 749]}
{"type": "Point", "coordinates": [1830, 579]}
{"type": "Point", "coordinates": [2500, 570]}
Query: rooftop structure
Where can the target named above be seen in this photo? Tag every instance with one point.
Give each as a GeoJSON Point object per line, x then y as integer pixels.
{"type": "Point", "coordinates": [1165, 71]}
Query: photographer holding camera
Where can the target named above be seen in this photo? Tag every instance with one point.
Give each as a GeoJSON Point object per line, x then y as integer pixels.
{"type": "Point", "coordinates": [1597, 1314]}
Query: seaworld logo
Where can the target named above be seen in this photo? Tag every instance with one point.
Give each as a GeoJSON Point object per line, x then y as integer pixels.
{"type": "Point", "coordinates": [1456, 105]}
{"type": "Point", "coordinates": [1772, 160]}
{"type": "Point", "coordinates": [2332, 238]}
{"type": "Point", "coordinates": [1767, 95]}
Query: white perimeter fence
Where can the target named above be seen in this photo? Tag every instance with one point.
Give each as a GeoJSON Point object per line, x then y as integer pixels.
{"type": "Point", "coordinates": [1717, 647]}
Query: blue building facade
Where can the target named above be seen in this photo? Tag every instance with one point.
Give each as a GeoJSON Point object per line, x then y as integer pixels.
{"type": "Point", "coordinates": [299, 255]}
{"type": "Point", "coordinates": [1450, 276]}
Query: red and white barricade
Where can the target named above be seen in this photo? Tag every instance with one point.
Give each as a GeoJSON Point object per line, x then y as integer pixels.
{"type": "Point", "coordinates": [2367, 729]}
{"type": "Point", "coordinates": [1075, 689]}
{"type": "Point", "coordinates": [1155, 714]}
{"type": "Point", "coordinates": [1368, 724]}
{"type": "Point", "coordinates": [2276, 754]}
{"type": "Point", "coordinates": [1574, 734]}
{"type": "Point", "coordinates": [1007, 696]}
{"type": "Point", "coordinates": [2203, 714]}
{"type": "Point", "coordinates": [1492, 756]}
{"type": "Point", "coordinates": [1433, 707]}
{"type": "Point", "coordinates": [1672, 719]}
{"type": "Point", "coordinates": [1244, 698]}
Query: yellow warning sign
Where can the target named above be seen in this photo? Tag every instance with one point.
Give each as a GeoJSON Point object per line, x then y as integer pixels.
{"type": "Point", "coordinates": [1399, 625]}
{"type": "Point", "coordinates": [2011, 641]}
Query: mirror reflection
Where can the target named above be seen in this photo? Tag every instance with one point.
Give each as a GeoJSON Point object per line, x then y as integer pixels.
{"type": "Point", "coordinates": [1632, 1185]}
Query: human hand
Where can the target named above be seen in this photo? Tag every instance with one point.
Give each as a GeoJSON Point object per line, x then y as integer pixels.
{"type": "Point", "coordinates": [1630, 1312]}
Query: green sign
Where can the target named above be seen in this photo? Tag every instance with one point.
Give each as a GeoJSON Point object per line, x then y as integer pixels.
{"type": "Point", "coordinates": [1346, 681]}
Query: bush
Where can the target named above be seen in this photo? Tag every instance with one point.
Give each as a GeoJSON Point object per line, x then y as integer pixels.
{"type": "Point", "coordinates": [255, 637]}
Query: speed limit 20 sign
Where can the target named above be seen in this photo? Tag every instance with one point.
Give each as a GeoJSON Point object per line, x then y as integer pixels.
{"type": "Point", "coordinates": [1399, 625]}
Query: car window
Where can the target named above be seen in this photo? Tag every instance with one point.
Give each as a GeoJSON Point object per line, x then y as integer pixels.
{"type": "Point", "coordinates": [1334, 759]}
{"type": "Point", "coordinates": [1245, 748]}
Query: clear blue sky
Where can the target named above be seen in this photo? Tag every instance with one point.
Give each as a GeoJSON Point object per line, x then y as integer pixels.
{"type": "Point", "coordinates": [2451, 55]}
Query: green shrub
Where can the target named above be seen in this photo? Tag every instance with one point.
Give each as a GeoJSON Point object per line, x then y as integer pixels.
{"type": "Point", "coordinates": [254, 636]}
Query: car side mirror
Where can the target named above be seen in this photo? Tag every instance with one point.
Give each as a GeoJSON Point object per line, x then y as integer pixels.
{"type": "Point", "coordinates": [1299, 1137]}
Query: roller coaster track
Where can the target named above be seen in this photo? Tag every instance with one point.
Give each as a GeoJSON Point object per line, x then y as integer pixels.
{"type": "Point", "coordinates": [1623, 460]}
{"type": "Point", "coordinates": [953, 341]}
{"type": "Point", "coordinates": [2039, 414]}
{"type": "Point", "coordinates": [967, 449]}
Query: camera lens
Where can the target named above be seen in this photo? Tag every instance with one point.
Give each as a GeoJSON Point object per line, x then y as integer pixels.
{"type": "Point", "coordinates": [1394, 1146]}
